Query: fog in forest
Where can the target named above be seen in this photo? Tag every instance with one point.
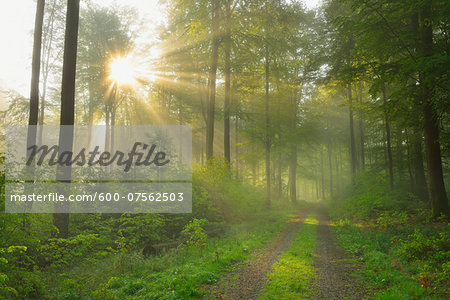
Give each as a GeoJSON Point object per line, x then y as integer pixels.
{"type": "Point", "coordinates": [264, 149]}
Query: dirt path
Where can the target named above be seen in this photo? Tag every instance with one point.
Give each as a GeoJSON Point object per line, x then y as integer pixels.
{"type": "Point", "coordinates": [247, 279]}
{"type": "Point", "coordinates": [334, 267]}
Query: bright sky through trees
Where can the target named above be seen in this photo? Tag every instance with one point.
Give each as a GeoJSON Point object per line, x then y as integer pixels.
{"type": "Point", "coordinates": [17, 21]}
{"type": "Point", "coordinates": [122, 71]}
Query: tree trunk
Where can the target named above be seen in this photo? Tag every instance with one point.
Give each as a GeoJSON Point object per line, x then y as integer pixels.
{"type": "Point", "coordinates": [107, 126]}
{"type": "Point", "coordinates": [279, 176]}
{"type": "Point", "coordinates": [61, 216]}
{"type": "Point", "coordinates": [35, 72]}
{"type": "Point", "coordinates": [361, 128]}
{"type": "Point", "coordinates": [236, 142]}
{"type": "Point", "coordinates": [409, 160]}
{"type": "Point", "coordinates": [330, 167]}
{"type": "Point", "coordinates": [322, 175]}
{"type": "Point", "coordinates": [47, 49]}
{"type": "Point", "coordinates": [338, 184]}
{"type": "Point", "coordinates": [293, 154]}
{"type": "Point", "coordinates": [388, 139]}
{"type": "Point", "coordinates": [212, 81]}
{"type": "Point", "coordinates": [267, 142]}
{"type": "Point", "coordinates": [293, 174]}
{"type": "Point", "coordinates": [226, 105]}
{"type": "Point", "coordinates": [353, 162]}
{"type": "Point", "coordinates": [254, 173]}
{"type": "Point", "coordinates": [438, 195]}
{"type": "Point", "coordinates": [420, 183]}
{"type": "Point", "coordinates": [399, 154]}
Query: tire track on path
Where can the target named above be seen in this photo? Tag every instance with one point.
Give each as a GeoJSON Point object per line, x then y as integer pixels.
{"type": "Point", "coordinates": [247, 280]}
{"type": "Point", "coordinates": [335, 267]}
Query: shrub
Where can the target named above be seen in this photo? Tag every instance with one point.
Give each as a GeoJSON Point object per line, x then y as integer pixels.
{"type": "Point", "coordinates": [194, 233]}
{"type": "Point", "coordinates": [58, 252]}
{"type": "Point", "coordinates": [419, 247]}
{"type": "Point", "coordinates": [370, 198]}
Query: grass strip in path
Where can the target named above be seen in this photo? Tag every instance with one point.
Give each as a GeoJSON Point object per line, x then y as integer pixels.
{"type": "Point", "coordinates": [293, 274]}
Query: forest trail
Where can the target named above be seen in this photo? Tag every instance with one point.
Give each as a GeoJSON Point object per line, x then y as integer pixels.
{"type": "Point", "coordinates": [333, 266]}
{"type": "Point", "coordinates": [247, 279]}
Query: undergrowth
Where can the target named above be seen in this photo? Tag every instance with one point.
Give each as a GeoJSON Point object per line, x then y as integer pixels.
{"type": "Point", "coordinates": [406, 254]}
{"type": "Point", "coordinates": [103, 256]}
{"type": "Point", "coordinates": [177, 273]}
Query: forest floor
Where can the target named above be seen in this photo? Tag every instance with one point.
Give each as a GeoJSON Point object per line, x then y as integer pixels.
{"type": "Point", "coordinates": [333, 267]}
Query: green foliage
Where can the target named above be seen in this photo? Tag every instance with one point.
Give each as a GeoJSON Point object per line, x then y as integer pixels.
{"type": "Point", "coordinates": [231, 197]}
{"type": "Point", "coordinates": [194, 233]}
{"type": "Point", "coordinates": [393, 219]}
{"type": "Point", "coordinates": [179, 273]}
{"type": "Point", "coordinates": [370, 197]}
{"type": "Point", "coordinates": [18, 276]}
{"type": "Point", "coordinates": [141, 229]}
{"type": "Point", "coordinates": [103, 244]}
{"type": "Point", "coordinates": [5, 290]}
{"type": "Point", "coordinates": [425, 245]}
{"type": "Point", "coordinates": [58, 252]}
{"type": "Point", "coordinates": [405, 255]}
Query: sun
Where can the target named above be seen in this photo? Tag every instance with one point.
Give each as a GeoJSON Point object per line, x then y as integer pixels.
{"type": "Point", "coordinates": [122, 71]}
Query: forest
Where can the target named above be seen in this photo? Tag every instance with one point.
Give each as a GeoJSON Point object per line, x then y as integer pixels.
{"type": "Point", "coordinates": [320, 149]}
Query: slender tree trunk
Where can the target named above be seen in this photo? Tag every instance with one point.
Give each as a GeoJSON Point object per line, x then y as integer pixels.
{"type": "Point", "coordinates": [293, 154]}
{"type": "Point", "coordinates": [353, 165]}
{"type": "Point", "coordinates": [317, 188]}
{"type": "Point", "coordinates": [90, 112]}
{"type": "Point", "coordinates": [61, 220]}
{"type": "Point", "coordinates": [107, 126]}
{"type": "Point", "coordinates": [42, 111]}
{"type": "Point", "coordinates": [279, 176]}
{"type": "Point", "coordinates": [338, 185]}
{"type": "Point", "coordinates": [399, 152]}
{"type": "Point", "coordinates": [202, 158]}
{"type": "Point", "coordinates": [226, 106]}
{"type": "Point", "coordinates": [254, 173]}
{"type": "Point", "coordinates": [322, 175]}
{"type": "Point", "coordinates": [438, 195]}
{"type": "Point", "coordinates": [420, 182]}
{"type": "Point", "coordinates": [113, 107]}
{"type": "Point", "coordinates": [361, 127]}
{"type": "Point", "coordinates": [268, 137]}
{"type": "Point", "coordinates": [212, 81]}
{"type": "Point", "coordinates": [330, 167]}
{"type": "Point", "coordinates": [180, 122]}
{"type": "Point", "coordinates": [113, 124]}
{"type": "Point", "coordinates": [409, 160]}
{"type": "Point", "coordinates": [388, 139]}
{"type": "Point", "coordinates": [48, 46]}
{"type": "Point", "coordinates": [35, 72]}
{"type": "Point", "coordinates": [293, 174]}
{"type": "Point", "coordinates": [236, 142]}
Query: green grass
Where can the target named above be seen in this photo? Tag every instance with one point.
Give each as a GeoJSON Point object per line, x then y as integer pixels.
{"type": "Point", "coordinates": [175, 274]}
{"type": "Point", "coordinates": [293, 274]}
{"type": "Point", "coordinates": [389, 265]}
